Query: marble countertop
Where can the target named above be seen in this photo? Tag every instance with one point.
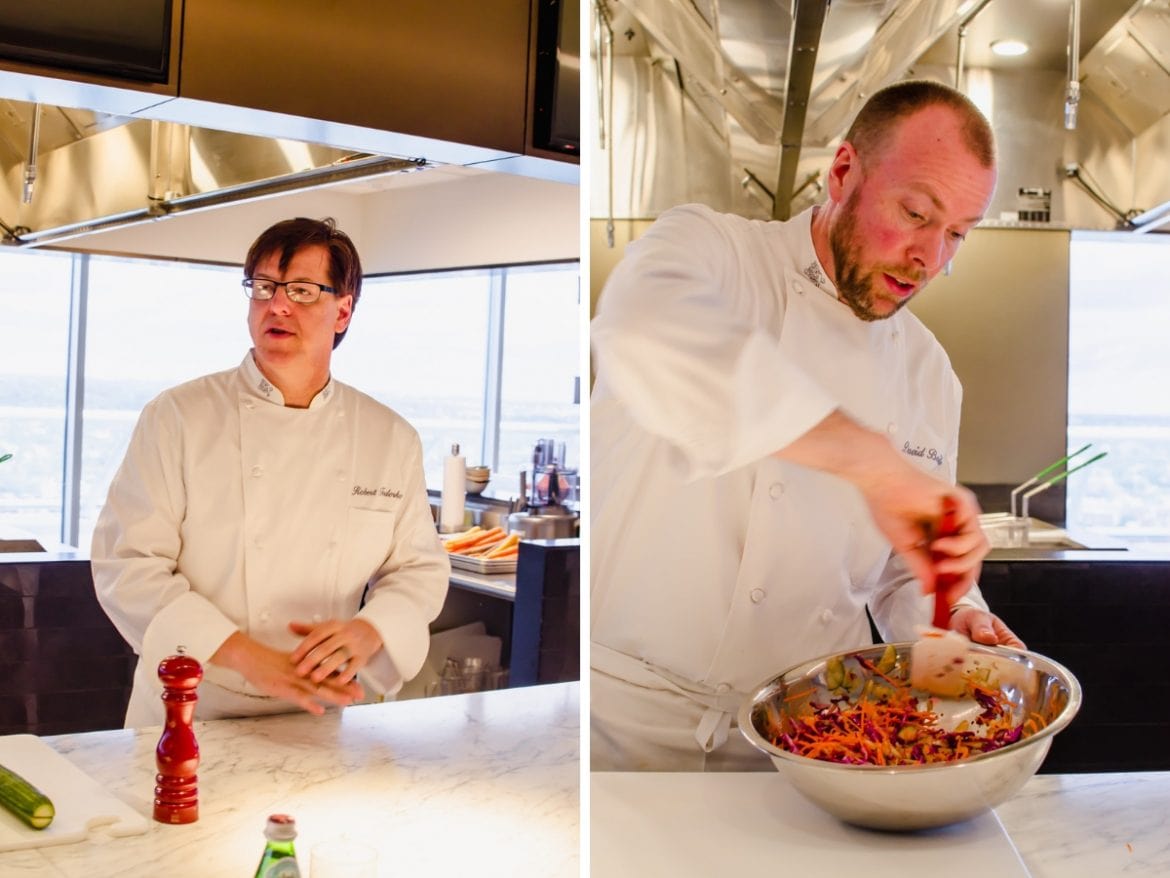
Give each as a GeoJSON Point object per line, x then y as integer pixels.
{"type": "Point", "coordinates": [1092, 825]}
{"type": "Point", "coordinates": [1057, 826]}
{"type": "Point", "coordinates": [475, 785]}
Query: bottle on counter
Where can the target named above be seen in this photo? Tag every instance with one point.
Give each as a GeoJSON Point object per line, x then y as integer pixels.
{"type": "Point", "coordinates": [280, 859]}
{"type": "Point", "coordinates": [454, 492]}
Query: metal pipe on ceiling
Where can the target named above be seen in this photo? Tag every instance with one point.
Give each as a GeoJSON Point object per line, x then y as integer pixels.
{"type": "Point", "coordinates": [961, 44]}
{"type": "Point", "coordinates": [355, 169]}
{"type": "Point", "coordinates": [808, 20]}
{"type": "Point", "coordinates": [1073, 90]}
{"type": "Point", "coordinates": [34, 146]}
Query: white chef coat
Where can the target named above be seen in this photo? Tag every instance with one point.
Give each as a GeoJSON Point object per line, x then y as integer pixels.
{"type": "Point", "coordinates": [719, 340]}
{"type": "Point", "coordinates": [234, 512]}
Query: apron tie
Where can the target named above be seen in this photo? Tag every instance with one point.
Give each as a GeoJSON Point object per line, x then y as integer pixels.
{"type": "Point", "coordinates": [713, 728]}
{"type": "Point", "coordinates": [715, 723]}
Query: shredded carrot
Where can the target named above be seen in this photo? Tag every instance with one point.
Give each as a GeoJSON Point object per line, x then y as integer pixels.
{"type": "Point", "coordinates": [889, 725]}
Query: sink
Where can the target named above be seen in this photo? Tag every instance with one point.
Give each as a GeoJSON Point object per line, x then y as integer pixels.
{"type": "Point", "coordinates": [1018, 534]}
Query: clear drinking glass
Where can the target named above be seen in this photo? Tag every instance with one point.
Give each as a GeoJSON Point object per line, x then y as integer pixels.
{"type": "Point", "coordinates": [343, 858]}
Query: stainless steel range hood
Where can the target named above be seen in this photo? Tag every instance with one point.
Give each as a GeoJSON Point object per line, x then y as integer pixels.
{"type": "Point", "coordinates": [94, 170]}
{"type": "Point", "coordinates": [739, 103]}
{"type": "Point", "coordinates": [237, 107]}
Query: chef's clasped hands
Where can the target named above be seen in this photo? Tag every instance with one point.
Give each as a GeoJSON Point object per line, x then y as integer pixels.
{"type": "Point", "coordinates": [320, 672]}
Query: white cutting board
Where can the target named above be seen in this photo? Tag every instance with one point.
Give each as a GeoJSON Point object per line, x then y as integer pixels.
{"type": "Point", "coordinates": [81, 803]}
{"type": "Point", "coordinates": [649, 824]}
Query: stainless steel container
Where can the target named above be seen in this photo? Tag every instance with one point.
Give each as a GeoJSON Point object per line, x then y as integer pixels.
{"type": "Point", "coordinates": [544, 523]}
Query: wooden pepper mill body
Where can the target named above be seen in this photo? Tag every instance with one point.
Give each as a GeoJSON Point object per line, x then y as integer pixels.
{"type": "Point", "coordinates": [176, 794]}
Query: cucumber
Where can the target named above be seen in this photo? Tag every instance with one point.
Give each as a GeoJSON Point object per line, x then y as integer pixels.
{"type": "Point", "coordinates": [24, 800]}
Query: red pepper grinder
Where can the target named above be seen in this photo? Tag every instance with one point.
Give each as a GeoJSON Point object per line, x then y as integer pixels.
{"type": "Point", "coordinates": [176, 797]}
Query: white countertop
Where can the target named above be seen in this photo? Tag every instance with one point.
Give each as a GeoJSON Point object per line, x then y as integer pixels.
{"type": "Point", "coordinates": [472, 785]}
{"type": "Point", "coordinates": [1058, 826]}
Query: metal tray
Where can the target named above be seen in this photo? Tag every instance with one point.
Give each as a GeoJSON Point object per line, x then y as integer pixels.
{"type": "Point", "coordinates": [486, 566]}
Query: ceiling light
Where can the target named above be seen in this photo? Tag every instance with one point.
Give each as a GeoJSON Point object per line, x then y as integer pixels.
{"type": "Point", "coordinates": [1009, 48]}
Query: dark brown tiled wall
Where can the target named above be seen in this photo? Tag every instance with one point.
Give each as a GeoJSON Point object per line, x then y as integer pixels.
{"type": "Point", "coordinates": [546, 628]}
{"type": "Point", "coordinates": [1107, 622]}
{"type": "Point", "coordinates": [63, 665]}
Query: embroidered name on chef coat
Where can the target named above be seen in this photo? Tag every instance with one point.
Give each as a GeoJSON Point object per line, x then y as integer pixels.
{"type": "Point", "coordinates": [922, 451]}
{"type": "Point", "coordinates": [362, 491]}
{"type": "Point", "coordinates": [813, 272]}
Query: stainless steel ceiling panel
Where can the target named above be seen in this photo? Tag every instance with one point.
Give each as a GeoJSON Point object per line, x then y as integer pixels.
{"type": "Point", "coordinates": [910, 29]}
{"type": "Point", "coordinates": [1130, 68]}
{"type": "Point", "coordinates": [668, 154]}
{"type": "Point", "coordinates": [1150, 26]}
{"type": "Point", "coordinates": [687, 37]}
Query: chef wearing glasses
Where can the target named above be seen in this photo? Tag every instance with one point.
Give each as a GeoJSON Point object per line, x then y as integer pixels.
{"type": "Point", "coordinates": [270, 521]}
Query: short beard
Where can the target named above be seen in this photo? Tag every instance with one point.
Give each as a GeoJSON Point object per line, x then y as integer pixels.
{"type": "Point", "coordinates": [854, 287]}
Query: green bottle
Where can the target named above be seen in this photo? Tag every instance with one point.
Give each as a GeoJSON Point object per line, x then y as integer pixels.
{"type": "Point", "coordinates": [279, 860]}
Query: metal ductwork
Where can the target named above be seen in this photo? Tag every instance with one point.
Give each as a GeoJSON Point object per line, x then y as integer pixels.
{"type": "Point", "coordinates": [96, 171]}
{"type": "Point", "coordinates": [1129, 69]}
{"type": "Point", "coordinates": [739, 103]}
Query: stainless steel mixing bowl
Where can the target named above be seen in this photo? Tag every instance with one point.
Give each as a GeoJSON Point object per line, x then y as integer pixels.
{"type": "Point", "coordinates": [915, 796]}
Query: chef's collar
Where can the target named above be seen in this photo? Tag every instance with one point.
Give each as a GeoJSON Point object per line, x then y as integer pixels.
{"type": "Point", "coordinates": [259, 386]}
{"type": "Point", "coordinates": [809, 262]}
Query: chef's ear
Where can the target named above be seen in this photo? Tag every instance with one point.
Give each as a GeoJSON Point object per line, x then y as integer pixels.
{"type": "Point", "coordinates": [344, 313]}
{"type": "Point", "coordinates": [844, 172]}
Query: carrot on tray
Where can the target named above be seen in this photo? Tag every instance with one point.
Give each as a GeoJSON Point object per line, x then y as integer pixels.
{"type": "Point", "coordinates": [460, 538]}
{"type": "Point", "coordinates": [478, 539]}
{"type": "Point", "coordinates": [510, 545]}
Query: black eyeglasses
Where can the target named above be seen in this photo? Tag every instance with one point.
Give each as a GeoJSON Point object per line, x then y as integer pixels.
{"type": "Point", "coordinates": [302, 292]}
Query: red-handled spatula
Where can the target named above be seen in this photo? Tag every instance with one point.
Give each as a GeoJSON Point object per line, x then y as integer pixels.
{"type": "Point", "coordinates": [939, 659]}
{"type": "Point", "coordinates": [943, 582]}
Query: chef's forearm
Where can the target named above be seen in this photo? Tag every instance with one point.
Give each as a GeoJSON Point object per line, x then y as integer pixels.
{"type": "Point", "coordinates": [231, 651]}
{"type": "Point", "coordinates": [842, 447]}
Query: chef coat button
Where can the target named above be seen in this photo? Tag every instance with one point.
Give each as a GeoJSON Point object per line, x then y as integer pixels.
{"type": "Point", "coordinates": [758, 594]}
{"type": "Point", "coordinates": [891, 428]}
{"type": "Point", "coordinates": [799, 289]}
{"type": "Point", "coordinates": [722, 688]}
{"type": "Point", "coordinates": [264, 617]}
{"type": "Point", "coordinates": [775, 490]}
{"type": "Point", "coordinates": [257, 471]}
{"type": "Point", "coordinates": [826, 616]}
{"type": "Point", "coordinates": [316, 618]}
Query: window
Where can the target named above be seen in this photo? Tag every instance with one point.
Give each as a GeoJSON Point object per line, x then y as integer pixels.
{"type": "Point", "coordinates": [486, 359]}
{"type": "Point", "coordinates": [150, 325]}
{"type": "Point", "coordinates": [541, 367]}
{"type": "Point", "coordinates": [1118, 397]}
{"type": "Point", "coordinates": [34, 354]}
{"type": "Point", "coordinates": [430, 346]}
{"type": "Point", "coordinates": [417, 344]}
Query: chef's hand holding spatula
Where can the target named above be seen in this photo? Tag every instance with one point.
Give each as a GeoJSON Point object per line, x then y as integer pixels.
{"type": "Point", "coordinates": [939, 660]}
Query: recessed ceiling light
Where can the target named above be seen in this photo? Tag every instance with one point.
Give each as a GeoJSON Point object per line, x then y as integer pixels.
{"type": "Point", "coordinates": [1009, 48]}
